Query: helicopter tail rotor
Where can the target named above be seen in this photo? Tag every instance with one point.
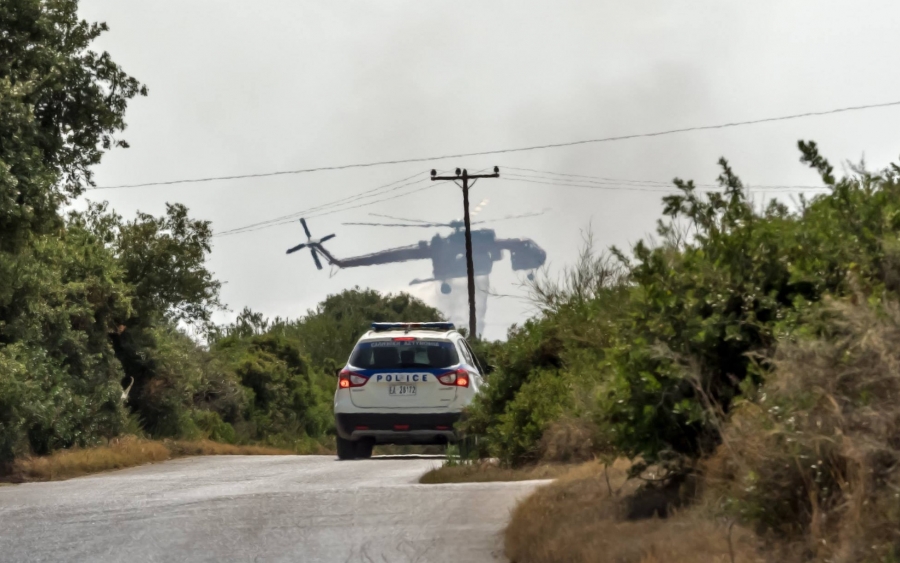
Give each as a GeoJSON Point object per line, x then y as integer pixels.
{"type": "Point", "coordinates": [305, 228]}
{"type": "Point", "coordinates": [312, 250]}
{"type": "Point", "coordinates": [312, 244]}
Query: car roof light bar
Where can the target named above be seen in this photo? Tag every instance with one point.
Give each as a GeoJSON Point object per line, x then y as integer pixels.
{"type": "Point", "coordinates": [381, 327]}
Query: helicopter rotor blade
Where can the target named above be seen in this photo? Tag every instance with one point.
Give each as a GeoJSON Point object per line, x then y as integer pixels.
{"type": "Point", "coordinates": [296, 248]}
{"type": "Point", "coordinates": [508, 217]}
{"type": "Point", "coordinates": [305, 228]}
{"type": "Point", "coordinates": [398, 218]}
{"type": "Point", "coordinates": [312, 250]}
{"type": "Point", "coordinates": [327, 237]}
{"type": "Point", "coordinates": [399, 224]}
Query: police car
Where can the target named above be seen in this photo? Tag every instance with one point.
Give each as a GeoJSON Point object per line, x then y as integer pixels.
{"type": "Point", "coordinates": [405, 383]}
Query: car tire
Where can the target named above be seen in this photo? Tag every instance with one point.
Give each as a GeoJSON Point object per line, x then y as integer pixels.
{"type": "Point", "coordinates": [364, 449]}
{"type": "Point", "coordinates": [346, 449]}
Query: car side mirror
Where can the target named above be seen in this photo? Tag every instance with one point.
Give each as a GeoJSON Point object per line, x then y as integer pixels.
{"type": "Point", "coordinates": [489, 369]}
{"type": "Point", "coordinates": [337, 371]}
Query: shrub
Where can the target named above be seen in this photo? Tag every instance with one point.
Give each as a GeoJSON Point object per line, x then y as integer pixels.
{"type": "Point", "coordinates": [815, 458]}
{"type": "Point", "coordinates": [569, 440]}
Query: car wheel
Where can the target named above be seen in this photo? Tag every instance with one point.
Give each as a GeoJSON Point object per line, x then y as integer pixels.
{"type": "Point", "coordinates": [346, 449]}
{"type": "Point", "coordinates": [364, 449]}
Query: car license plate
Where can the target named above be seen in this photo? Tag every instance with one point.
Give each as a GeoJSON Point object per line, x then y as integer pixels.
{"type": "Point", "coordinates": [405, 390]}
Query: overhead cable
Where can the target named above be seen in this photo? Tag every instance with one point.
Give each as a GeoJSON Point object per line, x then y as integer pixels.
{"type": "Point", "coordinates": [512, 150]}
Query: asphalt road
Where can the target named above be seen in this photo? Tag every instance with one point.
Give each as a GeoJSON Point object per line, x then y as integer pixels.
{"type": "Point", "coordinates": [258, 508]}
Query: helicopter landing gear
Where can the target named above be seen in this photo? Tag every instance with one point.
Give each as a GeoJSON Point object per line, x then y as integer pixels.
{"type": "Point", "coordinates": [445, 288]}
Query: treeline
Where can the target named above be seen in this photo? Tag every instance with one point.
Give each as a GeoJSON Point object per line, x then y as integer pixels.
{"type": "Point", "coordinates": [94, 308]}
{"type": "Point", "coordinates": [752, 348]}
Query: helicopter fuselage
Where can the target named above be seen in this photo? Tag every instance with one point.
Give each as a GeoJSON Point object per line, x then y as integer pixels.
{"type": "Point", "coordinates": [448, 254]}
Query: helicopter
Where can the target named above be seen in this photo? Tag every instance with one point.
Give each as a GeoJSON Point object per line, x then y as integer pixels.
{"type": "Point", "coordinates": [447, 253]}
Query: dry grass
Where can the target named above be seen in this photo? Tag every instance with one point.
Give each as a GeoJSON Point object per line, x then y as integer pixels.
{"type": "Point", "coordinates": [815, 460]}
{"type": "Point", "coordinates": [812, 463]}
{"type": "Point", "coordinates": [568, 441]}
{"type": "Point", "coordinates": [124, 452]}
{"type": "Point", "coordinates": [487, 472]}
{"type": "Point", "coordinates": [208, 447]}
{"type": "Point", "coordinates": [582, 517]}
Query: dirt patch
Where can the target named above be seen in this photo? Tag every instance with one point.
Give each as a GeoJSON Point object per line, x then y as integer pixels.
{"type": "Point", "coordinates": [119, 454]}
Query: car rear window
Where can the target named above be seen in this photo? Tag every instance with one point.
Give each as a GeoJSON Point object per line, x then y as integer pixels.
{"type": "Point", "coordinates": [392, 354]}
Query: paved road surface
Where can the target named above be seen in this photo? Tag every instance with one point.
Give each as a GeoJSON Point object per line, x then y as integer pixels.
{"type": "Point", "coordinates": [258, 508]}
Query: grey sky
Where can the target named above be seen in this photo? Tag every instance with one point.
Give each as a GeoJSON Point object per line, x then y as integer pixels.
{"type": "Point", "coordinates": [240, 87]}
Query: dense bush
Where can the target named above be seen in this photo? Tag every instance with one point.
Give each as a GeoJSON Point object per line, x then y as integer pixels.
{"type": "Point", "coordinates": [550, 366]}
{"type": "Point", "coordinates": [813, 457]}
{"type": "Point", "coordinates": [61, 290]}
{"type": "Point", "coordinates": [93, 308]}
{"type": "Point", "coordinates": [287, 367]}
{"type": "Point", "coordinates": [656, 352]}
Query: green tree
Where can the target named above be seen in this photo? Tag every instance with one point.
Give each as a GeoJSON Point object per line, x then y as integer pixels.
{"type": "Point", "coordinates": [164, 259]}
{"type": "Point", "coordinates": [61, 107]}
{"type": "Point", "coordinates": [63, 297]}
{"type": "Point", "coordinates": [330, 331]}
{"type": "Point", "coordinates": [61, 289]}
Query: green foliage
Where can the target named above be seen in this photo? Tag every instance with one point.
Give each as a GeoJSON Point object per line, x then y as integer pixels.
{"type": "Point", "coordinates": [173, 378]}
{"type": "Point", "coordinates": [655, 354]}
{"type": "Point", "coordinates": [92, 307]}
{"type": "Point", "coordinates": [61, 289]}
{"type": "Point", "coordinates": [812, 457]}
{"type": "Point", "coordinates": [286, 398]}
{"type": "Point", "coordinates": [61, 105]}
{"type": "Point", "coordinates": [706, 312]}
{"type": "Point", "coordinates": [288, 366]}
{"type": "Point", "coordinates": [330, 332]}
{"type": "Point", "coordinates": [59, 300]}
{"type": "Point", "coordinates": [551, 365]}
{"type": "Point", "coordinates": [163, 259]}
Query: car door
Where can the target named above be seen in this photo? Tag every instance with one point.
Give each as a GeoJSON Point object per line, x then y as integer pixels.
{"type": "Point", "coordinates": [471, 364]}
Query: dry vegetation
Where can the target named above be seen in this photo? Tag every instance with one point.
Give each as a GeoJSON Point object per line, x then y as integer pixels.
{"type": "Point", "coordinates": [484, 472]}
{"type": "Point", "coordinates": [125, 452]}
{"type": "Point", "coordinates": [595, 514]}
{"type": "Point", "coordinates": [808, 470]}
{"type": "Point", "coordinates": [814, 460]}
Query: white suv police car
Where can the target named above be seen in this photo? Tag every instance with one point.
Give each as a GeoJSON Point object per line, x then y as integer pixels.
{"type": "Point", "coordinates": [405, 383]}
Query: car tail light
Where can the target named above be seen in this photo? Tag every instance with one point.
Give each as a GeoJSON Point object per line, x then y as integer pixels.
{"type": "Point", "coordinates": [349, 379]}
{"type": "Point", "coordinates": [401, 427]}
{"type": "Point", "coordinates": [404, 339]}
{"type": "Point", "coordinates": [460, 378]}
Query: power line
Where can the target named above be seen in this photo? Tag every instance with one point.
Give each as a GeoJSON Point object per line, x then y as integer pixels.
{"type": "Point", "coordinates": [619, 181]}
{"type": "Point", "coordinates": [606, 184]}
{"type": "Point", "coordinates": [628, 188]}
{"type": "Point", "coordinates": [568, 184]}
{"type": "Point", "coordinates": [503, 151]}
{"type": "Point", "coordinates": [355, 197]}
{"type": "Point", "coordinates": [640, 185]}
{"type": "Point", "coordinates": [276, 222]}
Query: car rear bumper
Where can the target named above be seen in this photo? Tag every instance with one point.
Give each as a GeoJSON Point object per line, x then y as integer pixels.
{"type": "Point", "coordinates": [397, 428]}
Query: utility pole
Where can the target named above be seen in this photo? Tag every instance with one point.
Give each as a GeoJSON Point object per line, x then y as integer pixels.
{"type": "Point", "coordinates": [470, 266]}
